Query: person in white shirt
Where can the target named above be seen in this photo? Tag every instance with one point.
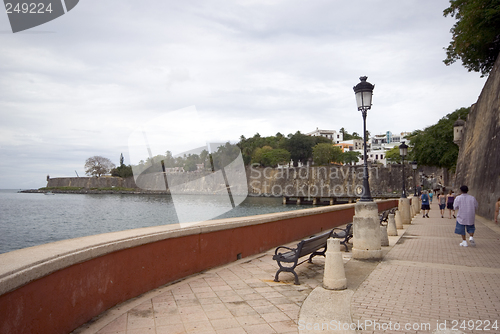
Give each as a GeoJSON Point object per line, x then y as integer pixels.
{"type": "Point", "coordinates": [466, 206]}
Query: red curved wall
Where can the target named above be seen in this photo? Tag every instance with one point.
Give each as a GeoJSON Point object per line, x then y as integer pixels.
{"type": "Point", "coordinates": [66, 299]}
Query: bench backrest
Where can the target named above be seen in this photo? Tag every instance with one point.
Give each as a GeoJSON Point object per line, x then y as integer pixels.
{"type": "Point", "coordinates": [312, 244]}
{"type": "Point", "coordinates": [348, 229]}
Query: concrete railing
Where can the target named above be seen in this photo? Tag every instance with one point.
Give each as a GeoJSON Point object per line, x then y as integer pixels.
{"type": "Point", "coordinates": [57, 287]}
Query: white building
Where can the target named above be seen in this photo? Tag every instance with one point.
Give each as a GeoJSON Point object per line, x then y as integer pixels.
{"type": "Point", "coordinates": [335, 136]}
{"type": "Point", "coordinates": [380, 144]}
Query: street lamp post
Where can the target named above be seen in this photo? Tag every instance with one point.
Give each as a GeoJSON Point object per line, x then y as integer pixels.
{"type": "Point", "coordinates": [403, 150]}
{"type": "Point", "coordinates": [414, 166]}
{"type": "Point", "coordinates": [364, 92]}
{"type": "Point", "coordinates": [367, 232]}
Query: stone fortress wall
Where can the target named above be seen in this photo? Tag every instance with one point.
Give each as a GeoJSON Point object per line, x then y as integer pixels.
{"type": "Point", "coordinates": [322, 181]}
{"type": "Point", "coordinates": [478, 164]}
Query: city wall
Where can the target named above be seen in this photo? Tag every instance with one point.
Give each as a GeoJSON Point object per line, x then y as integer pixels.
{"type": "Point", "coordinates": [57, 287]}
{"type": "Point", "coordinates": [334, 181]}
{"type": "Point", "coordinates": [478, 164]}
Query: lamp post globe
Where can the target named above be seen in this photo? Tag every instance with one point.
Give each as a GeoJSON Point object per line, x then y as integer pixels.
{"type": "Point", "coordinates": [364, 93]}
{"type": "Point", "coordinates": [403, 151]}
{"type": "Point", "coordinates": [414, 166]}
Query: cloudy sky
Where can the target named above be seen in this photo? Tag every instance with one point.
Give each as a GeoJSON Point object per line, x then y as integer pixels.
{"type": "Point", "coordinates": [80, 85]}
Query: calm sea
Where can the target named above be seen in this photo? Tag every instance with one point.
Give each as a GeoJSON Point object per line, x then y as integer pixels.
{"type": "Point", "coordinates": [33, 219]}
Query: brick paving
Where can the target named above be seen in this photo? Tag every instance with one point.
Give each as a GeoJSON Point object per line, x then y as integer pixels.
{"type": "Point", "coordinates": [240, 298]}
{"type": "Point", "coordinates": [427, 278]}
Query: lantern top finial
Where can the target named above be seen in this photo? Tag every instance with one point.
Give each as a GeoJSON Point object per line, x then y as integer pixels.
{"type": "Point", "coordinates": [363, 86]}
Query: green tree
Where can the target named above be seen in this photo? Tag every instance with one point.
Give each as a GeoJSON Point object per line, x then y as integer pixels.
{"type": "Point", "coordinates": [393, 155]}
{"type": "Point", "coordinates": [434, 145]}
{"type": "Point", "coordinates": [122, 171]}
{"type": "Point", "coordinates": [275, 157]}
{"type": "Point", "coordinates": [475, 35]}
{"type": "Point", "coordinates": [350, 157]}
{"type": "Point", "coordinates": [326, 153]}
{"type": "Point", "coordinates": [258, 155]}
{"type": "Point", "coordinates": [300, 148]}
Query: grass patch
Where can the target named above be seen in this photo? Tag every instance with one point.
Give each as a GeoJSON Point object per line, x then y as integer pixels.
{"type": "Point", "coordinates": [115, 189]}
{"type": "Point", "coordinates": [61, 188]}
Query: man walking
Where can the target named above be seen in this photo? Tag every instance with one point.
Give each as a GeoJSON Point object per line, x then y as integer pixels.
{"type": "Point", "coordinates": [466, 206]}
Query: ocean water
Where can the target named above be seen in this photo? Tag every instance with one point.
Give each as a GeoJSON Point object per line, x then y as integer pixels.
{"type": "Point", "coordinates": [33, 219]}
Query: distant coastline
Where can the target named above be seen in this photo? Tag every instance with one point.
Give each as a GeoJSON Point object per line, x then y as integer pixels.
{"type": "Point", "coordinates": [81, 190]}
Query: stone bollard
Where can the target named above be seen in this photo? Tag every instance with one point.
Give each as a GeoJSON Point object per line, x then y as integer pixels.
{"type": "Point", "coordinates": [399, 222]}
{"type": "Point", "coordinates": [404, 210]}
{"type": "Point", "coordinates": [414, 206]}
{"type": "Point", "coordinates": [391, 226]}
{"type": "Point", "coordinates": [366, 232]}
{"type": "Point", "coordinates": [334, 276]}
{"type": "Point", "coordinates": [412, 211]}
{"type": "Point", "coordinates": [384, 238]}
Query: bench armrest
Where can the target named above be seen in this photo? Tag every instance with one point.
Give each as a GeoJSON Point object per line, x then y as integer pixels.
{"type": "Point", "coordinates": [288, 248]}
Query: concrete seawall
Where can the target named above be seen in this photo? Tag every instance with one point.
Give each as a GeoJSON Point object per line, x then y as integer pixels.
{"type": "Point", "coordinates": [55, 288]}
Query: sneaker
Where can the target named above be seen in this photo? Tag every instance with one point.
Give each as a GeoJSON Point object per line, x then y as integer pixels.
{"type": "Point", "coordinates": [442, 217]}
{"type": "Point", "coordinates": [472, 242]}
{"type": "Point", "coordinates": [427, 215]}
{"type": "Point", "coordinates": [454, 216]}
{"type": "Point", "coordinates": [423, 216]}
{"type": "Point", "coordinates": [464, 244]}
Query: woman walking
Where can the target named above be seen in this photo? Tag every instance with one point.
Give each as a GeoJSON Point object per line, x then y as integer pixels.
{"type": "Point", "coordinates": [450, 198]}
{"type": "Point", "coordinates": [442, 203]}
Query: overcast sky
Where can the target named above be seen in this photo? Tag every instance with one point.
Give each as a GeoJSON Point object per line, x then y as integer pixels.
{"type": "Point", "coordinates": [80, 85]}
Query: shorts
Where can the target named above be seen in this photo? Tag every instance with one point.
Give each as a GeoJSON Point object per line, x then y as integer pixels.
{"type": "Point", "coordinates": [460, 229]}
{"type": "Point", "coordinates": [426, 207]}
{"type": "Point", "coordinates": [449, 206]}
{"type": "Point", "coordinates": [442, 206]}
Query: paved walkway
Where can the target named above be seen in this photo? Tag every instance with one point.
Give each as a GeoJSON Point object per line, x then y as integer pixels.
{"type": "Point", "coordinates": [425, 280]}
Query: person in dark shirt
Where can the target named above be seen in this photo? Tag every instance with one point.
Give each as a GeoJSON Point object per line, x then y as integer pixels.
{"type": "Point", "coordinates": [425, 204]}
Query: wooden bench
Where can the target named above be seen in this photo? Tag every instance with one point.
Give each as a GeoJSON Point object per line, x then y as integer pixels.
{"type": "Point", "coordinates": [308, 246]}
{"type": "Point", "coordinates": [344, 233]}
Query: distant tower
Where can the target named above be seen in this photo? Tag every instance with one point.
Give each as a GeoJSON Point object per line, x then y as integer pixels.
{"type": "Point", "coordinates": [458, 131]}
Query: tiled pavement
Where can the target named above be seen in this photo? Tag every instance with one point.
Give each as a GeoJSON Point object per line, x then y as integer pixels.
{"type": "Point", "coordinates": [238, 298]}
{"type": "Point", "coordinates": [427, 278]}
{"type": "Point", "coordinates": [424, 280]}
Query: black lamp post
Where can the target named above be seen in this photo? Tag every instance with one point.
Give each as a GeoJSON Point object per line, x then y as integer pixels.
{"type": "Point", "coordinates": [403, 150]}
{"type": "Point", "coordinates": [364, 92]}
{"type": "Point", "coordinates": [414, 166]}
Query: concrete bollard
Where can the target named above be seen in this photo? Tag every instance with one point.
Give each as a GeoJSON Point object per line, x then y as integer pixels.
{"type": "Point", "coordinates": [399, 222]}
{"type": "Point", "coordinates": [384, 238]}
{"type": "Point", "coordinates": [412, 211]}
{"type": "Point", "coordinates": [414, 206]}
{"type": "Point", "coordinates": [404, 210]}
{"type": "Point", "coordinates": [366, 232]}
{"type": "Point", "coordinates": [391, 226]}
{"type": "Point", "coordinates": [334, 276]}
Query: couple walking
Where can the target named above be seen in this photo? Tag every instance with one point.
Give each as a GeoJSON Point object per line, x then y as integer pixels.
{"type": "Point", "coordinates": [465, 205]}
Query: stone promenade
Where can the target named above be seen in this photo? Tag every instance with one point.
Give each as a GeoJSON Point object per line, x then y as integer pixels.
{"type": "Point", "coordinates": [425, 281]}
